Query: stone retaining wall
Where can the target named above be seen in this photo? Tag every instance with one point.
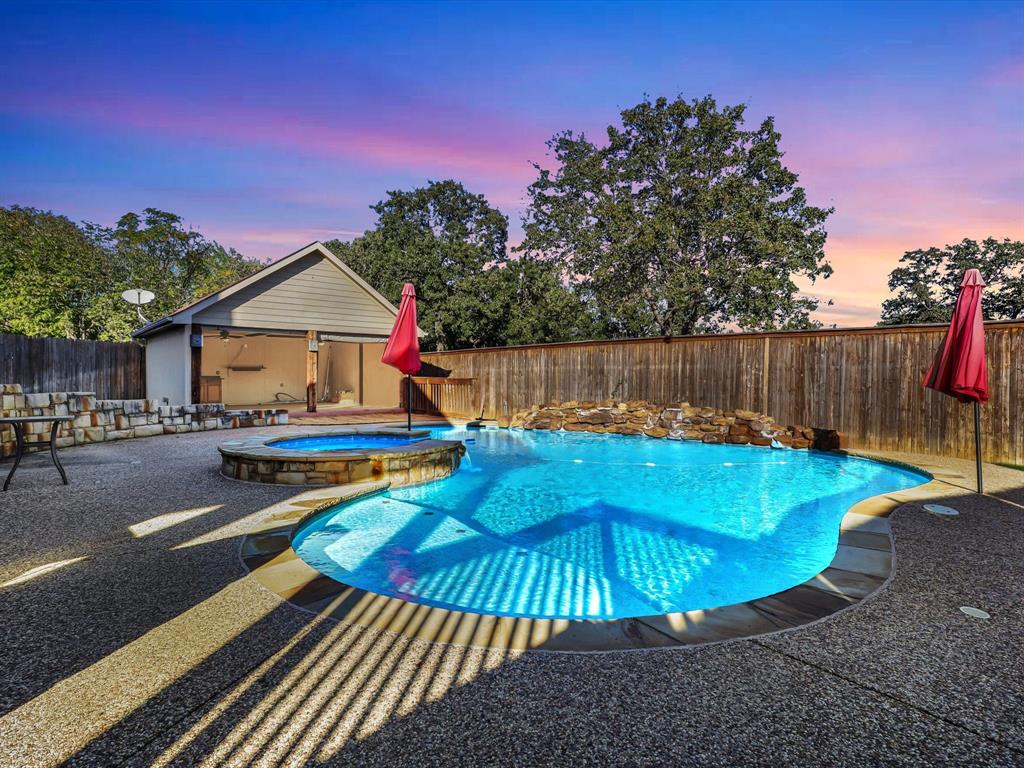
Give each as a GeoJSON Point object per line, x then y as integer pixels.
{"type": "Point", "coordinates": [96, 421]}
{"type": "Point", "coordinates": [676, 421]}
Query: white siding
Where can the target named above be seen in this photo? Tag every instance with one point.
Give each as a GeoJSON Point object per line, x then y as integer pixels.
{"type": "Point", "coordinates": [309, 294]}
{"type": "Point", "coordinates": [169, 366]}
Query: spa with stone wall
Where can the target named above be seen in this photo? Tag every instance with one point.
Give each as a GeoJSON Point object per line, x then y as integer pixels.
{"type": "Point", "coordinates": [97, 421]}
{"type": "Point", "coordinates": [675, 421]}
{"type": "Point", "coordinates": [258, 459]}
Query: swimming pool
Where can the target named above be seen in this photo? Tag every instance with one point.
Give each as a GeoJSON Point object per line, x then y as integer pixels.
{"type": "Point", "coordinates": [351, 442]}
{"type": "Point", "coordinates": [598, 526]}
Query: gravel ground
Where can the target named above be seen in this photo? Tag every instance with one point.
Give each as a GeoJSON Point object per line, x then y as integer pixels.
{"type": "Point", "coordinates": [159, 649]}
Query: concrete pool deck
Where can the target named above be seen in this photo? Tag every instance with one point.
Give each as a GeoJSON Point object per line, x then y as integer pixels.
{"type": "Point", "coordinates": [133, 635]}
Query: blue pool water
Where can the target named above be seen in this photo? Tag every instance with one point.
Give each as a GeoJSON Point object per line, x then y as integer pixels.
{"type": "Point", "coordinates": [343, 442]}
{"type": "Point", "coordinates": [576, 525]}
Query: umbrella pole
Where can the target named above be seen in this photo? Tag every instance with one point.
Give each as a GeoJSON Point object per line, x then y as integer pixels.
{"type": "Point", "coordinates": [408, 399]}
{"type": "Point", "coordinates": [977, 443]}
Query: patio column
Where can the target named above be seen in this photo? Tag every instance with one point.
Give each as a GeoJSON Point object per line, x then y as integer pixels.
{"type": "Point", "coordinates": [196, 355]}
{"type": "Point", "coordinates": [312, 348]}
{"type": "Point", "coordinates": [360, 373]}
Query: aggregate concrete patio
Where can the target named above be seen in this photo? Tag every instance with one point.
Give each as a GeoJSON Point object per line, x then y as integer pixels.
{"type": "Point", "coordinates": [147, 642]}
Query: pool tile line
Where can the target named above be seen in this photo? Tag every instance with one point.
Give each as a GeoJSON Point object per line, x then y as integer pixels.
{"type": "Point", "coordinates": [862, 565]}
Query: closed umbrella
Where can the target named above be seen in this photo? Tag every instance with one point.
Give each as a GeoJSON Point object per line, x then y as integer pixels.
{"type": "Point", "coordinates": [403, 348]}
{"type": "Point", "coordinates": [959, 367]}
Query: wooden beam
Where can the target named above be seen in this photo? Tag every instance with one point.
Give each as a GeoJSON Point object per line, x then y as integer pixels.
{"type": "Point", "coordinates": [196, 355]}
{"type": "Point", "coordinates": [311, 361]}
{"type": "Point", "coordinates": [360, 373]}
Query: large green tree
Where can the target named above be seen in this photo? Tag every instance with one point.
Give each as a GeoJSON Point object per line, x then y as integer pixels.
{"type": "Point", "coordinates": [176, 263]}
{"type": "Point", "coordinates": [927, 281]}
{"type": "Point", "coordinates": [535, 306]}
{"type": "Point", "coordinates": [56, 280]}
{"type": "Point", "coordinates": [452, 245]}
{"type": "Point", "coordinates": [683, 222]}
{"type": "Point", "coordinates": [61, 279]}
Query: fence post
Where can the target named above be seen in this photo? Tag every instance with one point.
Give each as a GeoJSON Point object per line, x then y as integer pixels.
{"type": "Point", "coordinates": [765, 365]}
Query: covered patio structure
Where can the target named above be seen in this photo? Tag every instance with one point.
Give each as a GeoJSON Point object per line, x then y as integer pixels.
{"type": "Point", "coordinates": [305, 330]}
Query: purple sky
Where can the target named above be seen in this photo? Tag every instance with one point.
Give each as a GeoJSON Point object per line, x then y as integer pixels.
{"type": "Point", "coordinates": [268, 126]}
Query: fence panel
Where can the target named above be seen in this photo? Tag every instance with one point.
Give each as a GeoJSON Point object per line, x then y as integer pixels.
{"type": "Point", "coordinates": [863, 382]}
{"type": "Point", "coordinates": [454, 397]}
{"type": "Point", "coordinates": [112, 370]}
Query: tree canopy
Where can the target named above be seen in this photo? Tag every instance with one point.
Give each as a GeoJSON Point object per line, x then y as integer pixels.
{"type": "Point", "coordinates": [452, 245]}
{"type": "Point", "coordinates": [54, 279]}
{"type": "Point", "coordinates": [61, 279]}
{"type": "Point", "coordinates": [685, 222]}
{"type": "Point", "coordinates": [927, 282]}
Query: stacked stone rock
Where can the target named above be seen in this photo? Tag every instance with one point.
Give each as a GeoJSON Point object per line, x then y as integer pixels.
{"type": "Point", "coordinates": [96, 421]}
{"type": "Point", "coordinates": [677, 421]}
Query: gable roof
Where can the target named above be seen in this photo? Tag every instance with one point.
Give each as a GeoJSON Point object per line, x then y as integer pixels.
{"type": "Point", "coordinates": [185, 314]}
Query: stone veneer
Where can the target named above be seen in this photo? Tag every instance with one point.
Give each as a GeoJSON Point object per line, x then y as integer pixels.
{"type": "Point", "coordinates": [676, 421]}
{"type": "Point", "coordinates": [96, 421]}
{"type": "Point", "coordinates": [257, 459]}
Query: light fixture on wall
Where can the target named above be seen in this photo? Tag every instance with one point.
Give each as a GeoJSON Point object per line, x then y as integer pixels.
{"type": "Point", "coordinates": [225, 337]}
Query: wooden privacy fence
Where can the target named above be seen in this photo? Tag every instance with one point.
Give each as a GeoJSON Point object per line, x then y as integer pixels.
{"type": "Point", "coordinates": [863, 382]}
{"type": "Point", "coordinates": [112, 370]}
{"type": "Point", "coordinates": [452, 397]}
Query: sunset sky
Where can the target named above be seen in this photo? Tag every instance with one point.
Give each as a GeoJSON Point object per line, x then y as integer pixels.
{"type": "Point", "coordinates": [268, 126]}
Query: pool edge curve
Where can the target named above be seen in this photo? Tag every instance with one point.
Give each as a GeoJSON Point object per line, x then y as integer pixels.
{"type": "Point", "coordinates": [862, 565]}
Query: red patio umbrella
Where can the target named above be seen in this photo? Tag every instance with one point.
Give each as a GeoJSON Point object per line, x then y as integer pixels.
{"type": "Point", "coordinates": [403, 348]}
{"type": "Point", "coordinates": [959, 367]}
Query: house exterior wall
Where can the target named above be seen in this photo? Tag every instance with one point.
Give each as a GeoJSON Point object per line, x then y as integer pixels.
{"type": "Point", "coordinates": [310, 293]}
{"type": "Point", "coordinates": [284, 360]}
{"type": "Point", "coordinates": [380, 382]}
{"type": "Point", "coordinates": [342, 358]}
{"type": "Point", "coordinates": [169, 366]}
{"type": "Point", "coordinates": [285, 369]}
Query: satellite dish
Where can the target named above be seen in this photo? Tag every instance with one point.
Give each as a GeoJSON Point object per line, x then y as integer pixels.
{"type": "Point", "coordinates": [138, 297]}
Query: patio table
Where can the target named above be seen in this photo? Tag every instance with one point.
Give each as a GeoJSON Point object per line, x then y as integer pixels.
{"type": "Point", "coordinates": [19, 422]}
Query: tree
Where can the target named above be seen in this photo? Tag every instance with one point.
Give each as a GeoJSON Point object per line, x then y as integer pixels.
{"type": "Point", "coordinates": [61, 279]}
{"type": "Point", "coordinates": [55, 280]}
{"type": "Point", "coordinates": [179, 265]}
{"type": "Point", "coordinates": [452, 245]}
{"type": "Point", "coordinates": [536, 307]}
{"type": "Point", "coordinates": [684, 223]}
{"type": "Point", "coordinates": [927, 282]}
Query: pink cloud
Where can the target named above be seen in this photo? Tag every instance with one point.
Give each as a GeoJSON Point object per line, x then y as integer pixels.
{"type": "Point", "coordinates": [416, 141]}
{"type": "Point", "coordinates": [273, 243]}
{"type": "Point", "coordinates": [1009, 72]}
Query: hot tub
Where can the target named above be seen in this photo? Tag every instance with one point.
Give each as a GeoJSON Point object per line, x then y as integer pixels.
{"type": "Point", "coordinates": [341, 456]}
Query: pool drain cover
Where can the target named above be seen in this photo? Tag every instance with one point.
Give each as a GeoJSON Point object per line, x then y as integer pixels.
{"type": "Point", "coordinates": [975, 613]}
{"type": "Point", "coordinates": [938, 509]}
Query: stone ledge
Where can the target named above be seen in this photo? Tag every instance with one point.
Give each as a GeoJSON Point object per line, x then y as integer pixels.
{"type": "Point", "coordinates": [675, 421]}
{"type": "Point", "coordinates": [97, 421]}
